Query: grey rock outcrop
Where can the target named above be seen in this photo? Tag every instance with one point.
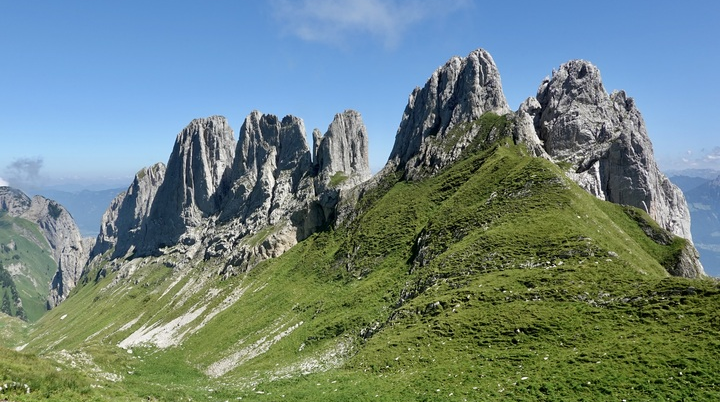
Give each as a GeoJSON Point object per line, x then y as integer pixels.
{"type": "Point", "coordinates": [603, 137]}
{"type": "Point", "coordinates": [69, 249]}
{"type": "Point", "coordinates": [246, 200]}
{"type": "Point", "coordinates": [190, 191]}
{"type": "Point", "coordinates": [272, 158]}
{"type": "Point", "coordinates": [122, 222]}
{"type": "Point", "coordinates": [14, 201]}
{"type": "Point", "coordinates": [460, 91]}
{"type": "Point", "coordinates": [342, 153]}
{"type": "Point", "coordinates": [572, 120]}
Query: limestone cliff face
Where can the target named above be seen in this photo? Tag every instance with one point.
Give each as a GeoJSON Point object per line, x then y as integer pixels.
{"type": "Point", "coordinates": [188, 193]}
{"type": "Point", "coordinates": [121, 225]}
{"type": "Point", "coordinates": [460, 91]}
{"type": "Point", "coordinates": [342, 153]}
{"type": "Point", "coordinates": [14, 201]}
{"type": "Point", "coordinates": [603, 137]}
{"type": "Point", "coordinates": [267, 174]}
{"type": "Point", "coordinates": [69, 250]}
{"type": "Point", "coordinates": [246, 200]}
{"type": "Point", "coordinates": [256, 198]}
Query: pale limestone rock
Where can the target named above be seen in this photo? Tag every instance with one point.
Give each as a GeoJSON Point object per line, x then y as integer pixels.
{"type": "Point", "coordinates": [122, 222]}
{"type": "Point", "coordinates": [342, 152]}
{"type": "Point", "coordinates": [460, 91]}
{"type": "Point", "coordinates": [189, 192]}
{"type": "Point", "coordinates": [604, 139]}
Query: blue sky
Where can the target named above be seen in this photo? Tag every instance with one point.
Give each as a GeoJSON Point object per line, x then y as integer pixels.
{"type": "Point", "coordinates": [92, 91]}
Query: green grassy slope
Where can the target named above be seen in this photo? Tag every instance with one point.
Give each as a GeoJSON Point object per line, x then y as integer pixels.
{"type": "Point", "coordinates": [498, 278]}
{"type": "Point", "coordinates": [28, 262]}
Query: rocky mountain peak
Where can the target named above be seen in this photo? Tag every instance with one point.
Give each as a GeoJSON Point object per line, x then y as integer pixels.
{"type": "Point", "coordinates": [122, 222]}
{"type": "Point", "coordinates": [342, 153]}
{"type": "Point", "coordinates": [272, 155]}
{"type": "Point", "coordinates": [200, 160]}
{"type": "Point", "coordinates": [14, 201]}
{"type": "Point", "coordinates": [460, 91]}
{"type": "Point", "coordinates": [603, 138]}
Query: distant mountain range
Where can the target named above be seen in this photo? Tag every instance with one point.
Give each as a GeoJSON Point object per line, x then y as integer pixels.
{"type": "Point", "coordinates": [702, 191]}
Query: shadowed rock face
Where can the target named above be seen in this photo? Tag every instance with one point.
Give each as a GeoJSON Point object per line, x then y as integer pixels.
{"type": "Point", "coordinates": [122, 222]}
{"type": "Point", "coordinates": [188, 193]}
{"type": "Point", "coordinates": [460, 91]}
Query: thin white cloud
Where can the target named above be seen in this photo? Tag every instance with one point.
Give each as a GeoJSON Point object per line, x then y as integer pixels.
{"type": "Point", "coordinates": [708, 159]}
{"type": "Point", "coordinates": [713, 155]}
{"type": "Point", "coordinates": [335, 21]}
{"type": "Point", "coordinates": [3, 183]}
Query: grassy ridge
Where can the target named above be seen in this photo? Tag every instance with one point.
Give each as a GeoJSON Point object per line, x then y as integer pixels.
{"type": "Point", "coordinates": [498, 278]}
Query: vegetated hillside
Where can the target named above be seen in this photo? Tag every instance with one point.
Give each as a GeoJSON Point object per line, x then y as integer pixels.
{"type": "Point", "coordinates": [498, 277]}
{"type": "Point", "coordinates": [26, 269]}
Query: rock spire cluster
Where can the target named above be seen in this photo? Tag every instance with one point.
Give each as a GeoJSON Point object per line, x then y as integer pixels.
{"type": "Point", "coordinates": [218, 193]}
{"type": "Point", "coordinates": [255, 198]}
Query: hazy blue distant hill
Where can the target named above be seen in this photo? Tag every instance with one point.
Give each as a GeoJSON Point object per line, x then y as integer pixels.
{"type": "Point", "coordinates": [704, 203]}
{"type": "Point", "coordinates": [703, 197]}
{"type": "Point", "coordinates": [687, 183]}
{"type": "Point", "coordinates": [86, 206]}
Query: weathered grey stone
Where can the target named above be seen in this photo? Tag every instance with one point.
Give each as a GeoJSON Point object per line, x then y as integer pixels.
{"type": "Point", "coordinates": [341, 155]}
{"type": "Point", "coordinates": [272, 158]}
{"type": "Point", "coordinates": [200, 160]}
{"type": "Point", "coordinates": [122, 222]}
{"type": "Point", "coordinates": [524, 129]}
{"type": "Point", "coordinates": [68, 248]}
{"type": "Point", "coordinates": [460, 91]}
{"type": "Point", "coordinates": [604, 139]}
{"type": "Point", "coordinates": [14, 201]}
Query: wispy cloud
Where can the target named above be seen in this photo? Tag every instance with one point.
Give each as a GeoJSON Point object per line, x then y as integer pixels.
{"type": "Point", "coordinates": [3, 182]}
{"type": "Point", "coordinates": [24, 171]}
{"type": "Point", "coordinates": [335, 21]}
{"type": "Point", "coordinates": [705, 159]}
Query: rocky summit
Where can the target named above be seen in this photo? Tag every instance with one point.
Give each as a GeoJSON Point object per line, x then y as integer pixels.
{"type": "Point", "coordinates": [216, 193]}
{"type": "Point", "coordinates": [603, 138]}
{"type": "Point", "coordinates": [458, 92]}
{"type": "Point", "coordinates": [600, 137]}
